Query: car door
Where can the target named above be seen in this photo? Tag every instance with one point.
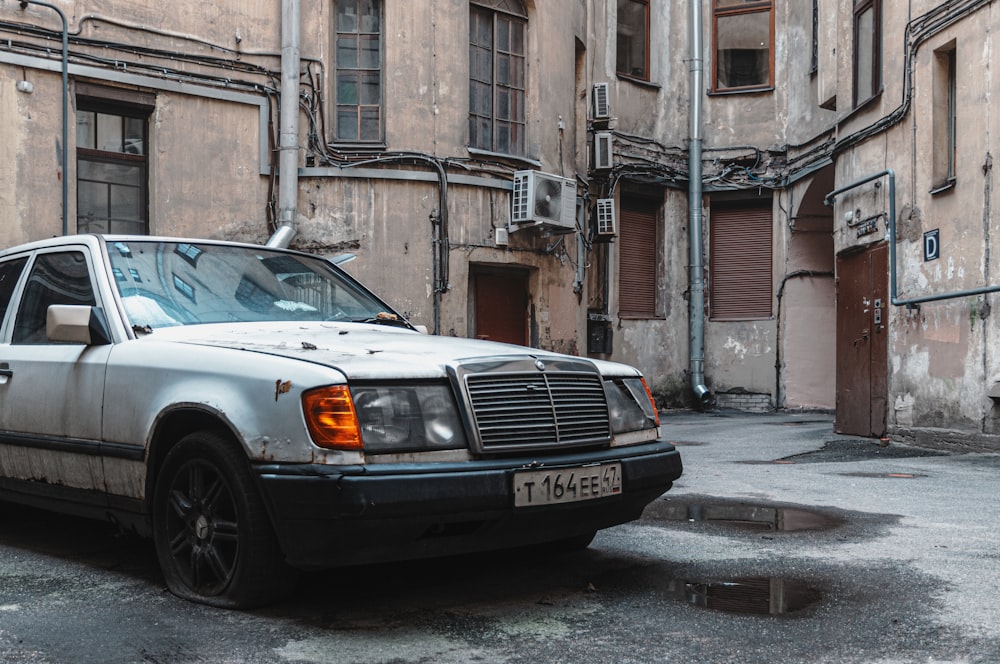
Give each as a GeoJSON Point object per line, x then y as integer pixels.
{"type": "Point", "coordinates": [51, 394]}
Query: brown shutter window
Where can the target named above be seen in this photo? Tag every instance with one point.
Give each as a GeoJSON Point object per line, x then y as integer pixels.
{"type": "Point", "coordinates": [740, 243]}
{"type": "Point", "coordinates": [637, 262]}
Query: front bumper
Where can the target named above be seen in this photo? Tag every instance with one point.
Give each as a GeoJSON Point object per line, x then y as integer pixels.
{"type": "Point", "coordinates": [326, 516]}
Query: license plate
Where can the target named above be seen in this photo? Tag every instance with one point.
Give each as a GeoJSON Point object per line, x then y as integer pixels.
{"type": "Point", "coordinates": [566, 485]}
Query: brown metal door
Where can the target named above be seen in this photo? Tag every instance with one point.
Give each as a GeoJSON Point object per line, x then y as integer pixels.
{"type": "Point", "coordinates": [862, 348]}
{"type": "Point", "coordinates": [502, 306]}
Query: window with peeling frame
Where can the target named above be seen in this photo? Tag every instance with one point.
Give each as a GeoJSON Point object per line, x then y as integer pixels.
{"type": "Point", "coordinates": [867, 50]}
{"type": "Point", "coordinates": [358, 72]}
{"type": "Point", "coordinates": [497, 76]}
{"type": "Point", "coordinates": [632, 47]}
{"type": "Point", "coordinates": [112, 168]}
{"type": "Point", "coordinates": [743, 44]}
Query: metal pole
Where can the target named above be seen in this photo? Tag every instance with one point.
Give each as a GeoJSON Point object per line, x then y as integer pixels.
{"type": "Point", "coordinates": [696, 315]}
{"type": "Point", "coordinates": [288, 142]}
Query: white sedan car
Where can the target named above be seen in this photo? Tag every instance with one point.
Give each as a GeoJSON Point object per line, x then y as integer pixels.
{"type": "Point", "coordinates": [257, 411]}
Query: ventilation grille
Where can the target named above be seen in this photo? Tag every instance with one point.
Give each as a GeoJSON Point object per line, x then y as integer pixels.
{"type": "Point", "coordinates": [604, 151]}
{"type": "Point", "coordinates": [521, 200]}
{"type": "Point", "coordinates": [606, 225]}
{"type": "Point", "coordinates": [602, 107]}
{"type": "Point", "coordinates": [532, 411]}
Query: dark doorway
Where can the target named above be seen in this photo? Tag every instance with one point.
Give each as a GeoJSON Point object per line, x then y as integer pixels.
{"type": "Point", "coordinates": [862, 348]}
{"type": "Point", "coordinates": [501, 305]}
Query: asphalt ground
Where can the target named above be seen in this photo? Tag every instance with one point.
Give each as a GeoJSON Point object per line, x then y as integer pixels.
{"type": "Point", "coordinates": [782, 542]}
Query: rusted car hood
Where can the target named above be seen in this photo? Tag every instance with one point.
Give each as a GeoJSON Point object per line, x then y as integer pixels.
{"type": "Point", "coordinates": [359, 351]}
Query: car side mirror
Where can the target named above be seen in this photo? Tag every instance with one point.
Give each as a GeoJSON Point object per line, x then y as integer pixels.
{"type": "Point", "coordinates": [76, 324]}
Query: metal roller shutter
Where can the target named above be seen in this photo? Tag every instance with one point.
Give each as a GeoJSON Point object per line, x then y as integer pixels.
{"type": "Point", "coordinates": [637, 264]}
{"type": "Point", "coordinates": [740, 242]}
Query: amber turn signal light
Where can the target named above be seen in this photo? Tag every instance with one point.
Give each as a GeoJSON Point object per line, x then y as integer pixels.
{"type": "Point", "coordinates": [331, 419]}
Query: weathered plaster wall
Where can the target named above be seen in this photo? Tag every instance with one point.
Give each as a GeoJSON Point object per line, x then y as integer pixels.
{"type": "Point", "coordinates": [809, 343]}
{"type": "Point", "coordinates": [741, 357]}
{"type": "Point", "coordinates": [30, 156]}
{"type": "Point", "coordinates": [941, 359]}
{"type": "Point", "coordinates": [205, 182]}
{"type": "Point", "coordinates": [11, 156]}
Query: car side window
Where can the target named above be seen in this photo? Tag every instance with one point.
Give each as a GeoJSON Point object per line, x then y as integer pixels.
{"type": "Point", "coordinates": [55, 278]}
{"type": "Point", "coordinates": [9, 273]}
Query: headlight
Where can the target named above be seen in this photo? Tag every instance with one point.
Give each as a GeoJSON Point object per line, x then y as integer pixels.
{"type": "Point", "coordinates": [385, 418]}
{"type": "Point", "coordinates": [631, 405]}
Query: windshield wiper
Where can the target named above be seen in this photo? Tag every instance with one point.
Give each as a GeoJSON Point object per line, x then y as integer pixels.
{"type": "Point", "coordinates": [384, 318]}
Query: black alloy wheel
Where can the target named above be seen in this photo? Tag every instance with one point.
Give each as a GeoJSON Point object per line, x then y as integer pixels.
{"type": "Point", "coordinates": [213, 538]}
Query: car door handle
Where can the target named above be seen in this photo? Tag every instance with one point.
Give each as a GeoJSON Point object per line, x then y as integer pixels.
{"type": "Point", "coordinates": [5, 370]}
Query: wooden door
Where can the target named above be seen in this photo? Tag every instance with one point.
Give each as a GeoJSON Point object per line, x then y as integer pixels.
{"type": "Point", "coordinates": [862, 348]}
{"type": "Point", "coordinates": [501, 306]}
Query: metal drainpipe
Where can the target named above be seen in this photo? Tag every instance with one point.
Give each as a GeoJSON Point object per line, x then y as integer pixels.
{"type": "Point", "coordinates": [696, 317]}
{"type": "Point", "coordinates": [65, 108]}
{"type": "Point", "coordinates": [288, 145]}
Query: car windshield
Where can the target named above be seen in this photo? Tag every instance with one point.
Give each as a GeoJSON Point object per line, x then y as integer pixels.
{"type": "Point", "coordinates": [177, 283]}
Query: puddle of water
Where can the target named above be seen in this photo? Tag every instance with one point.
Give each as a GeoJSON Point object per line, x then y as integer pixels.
{"type": "Point", "coordinates": [897, 476]}
{"type": "Point", "coordinates": [795, 423]}
{"type": "Point", "coordinates": [762, 596]}
{"type": "Point", "coordinates": [749, 517]}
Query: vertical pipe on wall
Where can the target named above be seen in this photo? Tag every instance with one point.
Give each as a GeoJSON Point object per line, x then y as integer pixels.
{"type": "Point", "coordinates": [696, 316]}
{"type": "Point", "coordinates": [288, 143]}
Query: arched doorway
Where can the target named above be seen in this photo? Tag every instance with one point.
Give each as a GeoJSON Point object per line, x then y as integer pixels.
{"type": "Point", "coordinates": [808, 304]}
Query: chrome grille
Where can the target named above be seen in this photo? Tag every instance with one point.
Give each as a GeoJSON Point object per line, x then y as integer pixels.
{"type": "Point", "coordinates": [538, 410]}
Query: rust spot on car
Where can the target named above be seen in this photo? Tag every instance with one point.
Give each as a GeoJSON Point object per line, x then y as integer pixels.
{"type": "Point", "coordinates": [281, 387]}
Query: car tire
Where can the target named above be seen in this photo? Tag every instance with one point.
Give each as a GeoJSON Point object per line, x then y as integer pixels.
{"type": "Point", "coordinates": [213, 538]}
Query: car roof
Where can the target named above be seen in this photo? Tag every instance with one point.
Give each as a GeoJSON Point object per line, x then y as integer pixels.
{"type": "Point", "coordinates": [94, 239]}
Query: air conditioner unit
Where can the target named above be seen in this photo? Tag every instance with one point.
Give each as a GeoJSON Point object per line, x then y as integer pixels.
{"type": "Point", "coordinates": [600, 102]}
{"type": "Point", "coordinates": [542, 199]}
{"type": "Point", "coordinates": [606, 224]}
{"type": "Point", "coordinates": [604, 154]}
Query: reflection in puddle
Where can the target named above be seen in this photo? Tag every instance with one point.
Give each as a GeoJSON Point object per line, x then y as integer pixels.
{"type": "Point", "coordinates": [755, 596]}
{"type": "Point", "coordinates": [754, 517]}
{"type": "Point", "coordinates": [898, 476]}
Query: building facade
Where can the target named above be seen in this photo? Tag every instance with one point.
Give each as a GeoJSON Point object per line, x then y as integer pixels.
{"type": "Point", "coordinates": [523, 171]}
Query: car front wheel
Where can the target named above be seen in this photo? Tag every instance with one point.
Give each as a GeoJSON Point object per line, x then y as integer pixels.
{"type": "Point", "coordinates": [213, 538]}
